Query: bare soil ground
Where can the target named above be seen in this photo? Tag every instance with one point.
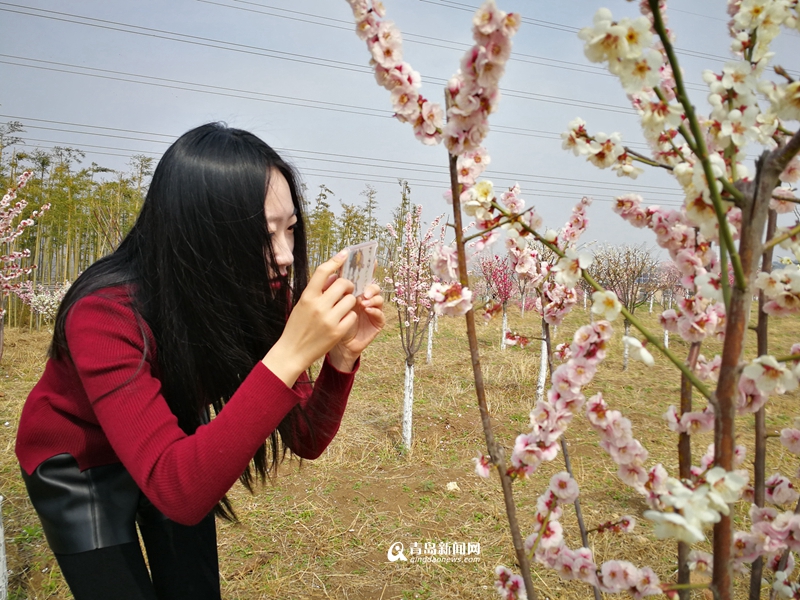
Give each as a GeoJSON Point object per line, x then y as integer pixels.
{"type": "Point", "coordinates": [322, 528]}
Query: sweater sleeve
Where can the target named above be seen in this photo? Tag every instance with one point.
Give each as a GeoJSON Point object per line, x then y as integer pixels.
{"type": "Point", "coordinates": [323, 407]}
{"type": "Point", "coordinates": [183, 475]}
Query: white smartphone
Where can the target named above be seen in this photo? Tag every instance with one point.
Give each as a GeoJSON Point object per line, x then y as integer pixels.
{"type": "Point", "coordinates": [360, 265]}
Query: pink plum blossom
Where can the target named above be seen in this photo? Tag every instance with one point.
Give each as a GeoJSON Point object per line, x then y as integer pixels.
{"type": "Point", "coordinates": [451, 300]}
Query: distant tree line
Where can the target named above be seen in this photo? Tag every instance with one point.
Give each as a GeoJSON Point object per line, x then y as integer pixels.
{"type": "Point", "coordinates": [93, 207]}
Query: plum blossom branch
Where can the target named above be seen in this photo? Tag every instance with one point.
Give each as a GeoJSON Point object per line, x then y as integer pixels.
{"type": "Point", "coordinates": [651, 339]}
{"type": "Point", "coordinates": [702, 150]}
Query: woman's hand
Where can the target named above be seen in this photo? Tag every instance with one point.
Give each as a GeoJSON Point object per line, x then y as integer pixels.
{"type": "Point", "coordinates": [322, 318]}
{"type": "Point", "coordinates": [371, 320]}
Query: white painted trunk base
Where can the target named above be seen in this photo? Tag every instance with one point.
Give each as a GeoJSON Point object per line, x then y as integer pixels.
{"type": "Point", "coordinates": [505, 328]}
{"type": "Point", "coordinates": [625, 348]}
{"type": "Point", "coordinates": [408, 403]}
{"type": "Point", "coordinates": [429, 358]}
{"type": "Point", "coordinates": [542, 373]}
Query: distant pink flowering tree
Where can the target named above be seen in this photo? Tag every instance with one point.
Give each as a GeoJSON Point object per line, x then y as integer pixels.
{"type": "Point", "coordinates": [411, 278]}
{"type": "Point", "coordinates": [727, 225]}
{"type": "Point", "coordinates": [12, 273]}
{"type": "Point", "coordinates": [499, 280]}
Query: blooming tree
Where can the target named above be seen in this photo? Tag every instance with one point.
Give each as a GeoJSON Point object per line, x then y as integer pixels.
{"type": "Point", "coordinates": [631, 272]}
{"type": "Point", "coordinates": [411, 279]}
{"type": "Point", "coordinates": [727, 223]}
{"type": "Point", "coordinates": [499, 283]}
{"type": "Point", "coordinates": [43, 300]}
{"type": "Point", "coordinates": [12, 272]}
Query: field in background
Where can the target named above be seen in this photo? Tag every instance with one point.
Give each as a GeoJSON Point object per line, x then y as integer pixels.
{"type": "Point", "coordinates": [322, 529]}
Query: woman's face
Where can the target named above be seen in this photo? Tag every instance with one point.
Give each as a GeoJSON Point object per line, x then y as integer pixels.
{"type": "Point", "coordinates": [281, 220]}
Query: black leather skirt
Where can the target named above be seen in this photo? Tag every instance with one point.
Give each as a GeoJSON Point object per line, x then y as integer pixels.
{"type": "Point", "coordinates": [84, 510]}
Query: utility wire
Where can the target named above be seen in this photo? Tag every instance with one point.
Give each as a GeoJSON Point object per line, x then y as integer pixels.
{"type": "Point", "coordinates": [281, 55]}
{"type": "Point", "coordinates": [331, 157]}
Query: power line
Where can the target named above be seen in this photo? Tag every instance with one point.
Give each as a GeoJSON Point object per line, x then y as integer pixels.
{"type": "Point", "coordinates": [228, 92]}
{"type": "Point", "coordinates": [411, 37]}
{"type": "Point", "coordinates": [570, 29]}
{"type": "Point", "coordinates": [551, 135]}
{"type": "Point", "coordinates": [336, 158]}
{"type": "Point", "coordinates": [426, 183]}
{"type": "Point", "coordinates": [289, 56]}
{"type": "Point", "coordinates": [331, 158]}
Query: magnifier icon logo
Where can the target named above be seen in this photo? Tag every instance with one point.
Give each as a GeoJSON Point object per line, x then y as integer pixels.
{"type": "Point", "coordinates": [395, 552]}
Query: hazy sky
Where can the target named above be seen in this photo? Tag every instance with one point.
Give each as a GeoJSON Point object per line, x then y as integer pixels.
{"type": "Point", "coordinates": [117, 78]}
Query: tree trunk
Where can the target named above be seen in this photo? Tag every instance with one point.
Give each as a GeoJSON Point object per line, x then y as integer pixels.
{"type": "Point", "coordinates": [429, 358]}
{"type": "Point", "coordinates": [505, 327]}
{"type": "Point", "coordinates": [652, 296]}
{"type": "Point", "coordinates": [666, 339]}
{"type": "Point", "coordinates": [542, 366]}
{"type": "Point", "coordinates": [685, 465]}
{"type": "Point", "coordinates": [625, 347]}
{"type": "Point", "coordinates": [408, 403]}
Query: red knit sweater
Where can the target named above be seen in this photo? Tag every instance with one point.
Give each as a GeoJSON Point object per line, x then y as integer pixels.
{"type": "Point", "coordinates": [184, 476]}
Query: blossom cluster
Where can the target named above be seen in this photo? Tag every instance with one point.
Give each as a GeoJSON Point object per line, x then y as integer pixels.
{"type": "Point", "coordinates": [548, 547]}
{"type": "Point", "coordinates": [616, 438]}
{"type": "Point", "coordinates": [703, 314]}
{"type": "Point", "coordinates": [550, 417]}
{"type": "Point", "coordinates": [497, 274]}
{"type": "Point", "coordinates": [600, 149]}
{"type": "Point", "coordinates": [771, 533]}
{"type": "Point", "coordinates": [385, 45]}
{"type": "Point", "coordinates": [10, 229]}
{"type": "Point", "coordinates": [515, 339]}
{"type": "Point", "coordinates": [480, 201]}
{"type": "Point", "coordinates": [410, 278]}
{"type": "Point", "coordinates": [474, 89]}
{"type": "Point", "coordinates": [43, 301]}
{"type": "Point", "coordinates": [685, 510]}
{"type": "Point", "coordinates": [782, 289]}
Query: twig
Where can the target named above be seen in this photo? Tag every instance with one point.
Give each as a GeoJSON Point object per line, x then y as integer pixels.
{"type": "Point", "coordinates": [625, 313]}
{"type": "Point", "coordinates": [701, 150]}
{"type": "Point", "coordinates": [685, 463]}
{"type": "Point", "coordinates": [567, 462]}
{"type": "Point", "coordinates": [760, 459]}
{"type": "Point", "coordinates": [495, 451]}
{"type": "Point", "coordinates": [782, 72]}
{"type": "Point", "coordinates": [784, 236]}
{"type": "Point", "coordinates": [648, 161]}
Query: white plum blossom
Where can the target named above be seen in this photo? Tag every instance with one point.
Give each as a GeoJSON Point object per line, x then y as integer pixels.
{"type": "Point", "coordinates": [638, 351]}
{"type": "Point", "coordinates": [606, 305]}
{"type": "Point", "coordinates": [674, 525]}
{"type": "Point", "coordinates": [569, 268]}
{"type": "Point", "coordinates": [779, 490]}
{"type": "Point", "coordinates": [770, 376]}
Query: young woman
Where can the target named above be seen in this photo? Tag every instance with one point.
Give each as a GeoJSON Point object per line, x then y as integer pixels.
{"type": "Point", "coordinates": [205, 304]}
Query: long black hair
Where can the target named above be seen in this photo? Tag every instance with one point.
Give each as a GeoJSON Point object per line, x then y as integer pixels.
{"type": "Point", "coordinates": [197, 264]}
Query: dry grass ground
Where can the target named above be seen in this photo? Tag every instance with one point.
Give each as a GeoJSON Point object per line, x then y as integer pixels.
{"type": "Point", "coordinates": [323, 528]}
